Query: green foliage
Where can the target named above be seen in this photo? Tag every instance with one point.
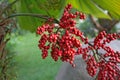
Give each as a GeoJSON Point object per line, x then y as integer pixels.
{"type": "Point", "coordinates": [46, 7]}
{"type": "Point", "coordinates": [54, 8]}
{"type": "Point", "coordinates": [87, 28]}
{"type": "Point", "coordinates": [113, 7]}
{"type": "Point", "coordinates": [30, 65]}
{"type": "Point", "coordinates": [87, 7]}
{"type": "Point", "coordinates": [96, 7]}
{"type": "Point", "coordinates": [29, 23]}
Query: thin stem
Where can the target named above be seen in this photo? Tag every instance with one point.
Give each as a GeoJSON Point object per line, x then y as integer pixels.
{"type": "Point", "coordinates": [29, 14]}
{"type": "Point", "coordinates": [96, 24]}
{"type": "Point", "coordinates": [96, 57]}
{"type": "Point", "coordinates": [57, 30]}
{"type": "Point", "coordinates": [96, 78]}
{"type": "Point", "coordinates": [101, 56]}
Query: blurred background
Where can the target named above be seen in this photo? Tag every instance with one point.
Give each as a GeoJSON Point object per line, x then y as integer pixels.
{"type": "Point", "coordinates": [20, 57]}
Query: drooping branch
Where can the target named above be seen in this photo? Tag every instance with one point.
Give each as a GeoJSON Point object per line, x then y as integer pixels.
{"type": "Point", "coordinates": [30, 15]}
{"type": "Point", "coordinates": [104, 24]}
{"type": "Point", "coordinates": [107, 23]}
{"type": "Point", "coordinates": [113, 23]}
{"type": "Point", "coordinates": [96, 24]}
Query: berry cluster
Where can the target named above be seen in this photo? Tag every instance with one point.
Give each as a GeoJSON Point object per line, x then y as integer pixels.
{"type": "Point", "coordinates": [108, 71]}
{"type": "Point", "coordinates": [91, 66]}
{"type": "Point", "coordinates": [67, 20]}
{"type": "Point", "coordinates": [63, 45]}
{"type": "Point", "coordinates": [66, 44]}
{"type": "Point", "coordinates": [108, 64]}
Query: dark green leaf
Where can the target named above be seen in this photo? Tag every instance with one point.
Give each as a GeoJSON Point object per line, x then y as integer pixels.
{"type": "Point", "coordinates": [51, 8]}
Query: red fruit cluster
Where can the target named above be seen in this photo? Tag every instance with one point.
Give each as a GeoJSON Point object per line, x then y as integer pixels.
{"type": "Point", "coordinates": [108, 64]}
{"type": "Point", "coordinates": [63, 45]}
{"type": "Point", "coordinates": [45, 27]}
{"type": "Point", "coordinates": [104, 38]}
{"type": "Point", "coordinates": [92, 66]}
{"type": "Point", "coordinates": [100, 42]}
{"type": "Point", "coordinates": [67, 20]}
{"type": "Point", "coordinates": [108, 71]}
{"type": "Point", "coordinates": [66, 44]}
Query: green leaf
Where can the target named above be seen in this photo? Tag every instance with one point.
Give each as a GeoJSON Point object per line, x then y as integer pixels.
{"type": "Point", "coordinates": [25, 22]}
{"type": "Point", "coordinates": [112, 6]}
{"type": "Point", "coordinates": [88, 7]}
{"type": "Point", "coordinates": [51, 8]}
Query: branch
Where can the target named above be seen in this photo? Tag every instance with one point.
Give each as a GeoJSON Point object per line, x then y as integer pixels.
{"type": "Point", "coordinates": [26, 14]}
{"type": "Point", "coordinates": [113, 23]}
{"type": "Point", "coordinates": [29, 14]}
{"type": "Point", "coordinates": [97, 25]}
{"type": "Point", "coordinates": [96, 54]}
